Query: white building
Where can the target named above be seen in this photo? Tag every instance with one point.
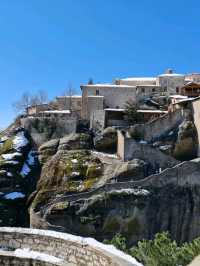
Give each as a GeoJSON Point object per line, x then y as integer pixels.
{"type": "Point", "coordinates": [116, 94]}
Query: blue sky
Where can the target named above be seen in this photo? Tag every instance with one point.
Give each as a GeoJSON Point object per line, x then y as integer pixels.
{"type": "Point", "coordinates": [47, 44]}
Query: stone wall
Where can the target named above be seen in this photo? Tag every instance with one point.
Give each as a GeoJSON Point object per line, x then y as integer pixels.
{"type": "Point", "coordinates": [97, 120]}
{"type": "Point", "coordinates": [94, 103]}
{"type": "Point", "coordinates": [155, 129]}
{"type": "Point", "coordinates": [114, 96]}
{"type": "Point", "coordinates": [69, 248]}
{"type": "Point", "coordinates": [8, 258]}
{"type": "Point", "coordinates": [172, 82]}
{"type": "Point", "coordinates": [129, 149]}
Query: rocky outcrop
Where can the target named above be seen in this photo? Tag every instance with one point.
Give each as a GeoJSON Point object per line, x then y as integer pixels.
{"type": "Point", "coordinates": [43, 129]}
{"type": "Point", "coordinates": [106, 141]}
{"type": "Point", "coordinates": [18, 169]}
{"type": "Point", "coordinates": [138, 209]}
{"type": "Point", "coordinates": [186, 146]}
{"type": "Point", "coordinates": [72, 141]}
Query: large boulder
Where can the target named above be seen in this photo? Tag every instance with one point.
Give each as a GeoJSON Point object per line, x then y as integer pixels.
{"type": "Point", "coordinates": [186, 146]}
{"type": "Point", "coordinates": [70, 171]}
{"type": "Point", "coordinates": [48, 149]}
{"type": "Point", "coordinates": [107, 140]}
{"type": "Point", "coordinates": [76, 141]}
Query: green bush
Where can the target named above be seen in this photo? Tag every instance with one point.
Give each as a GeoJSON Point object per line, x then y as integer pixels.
{"type": "Point", "coordinates": [118, 241]}
{"type": "Point", "coordinates": [161, 251]}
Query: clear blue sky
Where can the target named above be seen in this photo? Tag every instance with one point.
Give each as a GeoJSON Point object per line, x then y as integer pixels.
{"type": "Point", "coordinates": [45, 44]}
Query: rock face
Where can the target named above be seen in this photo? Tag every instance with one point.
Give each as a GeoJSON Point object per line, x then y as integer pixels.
{"type": "Point", "coordinates": [72, 141]}
{"type": "Point", "coordinates": [186, 147]}
{"type": "Point", "coordinates": [168, 201]}
{"type": "Point", "coordinates": [43, 129]}
{"type": "Point", "coordinates": [18, 169]}
{"type": "Point", "coordinates": [106, 141]}
{"type": "Point", "coordinates": [85, 191]}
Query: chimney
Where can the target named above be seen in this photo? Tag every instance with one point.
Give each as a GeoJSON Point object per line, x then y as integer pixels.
{"type": "Point", "coordinates": [169, 71]}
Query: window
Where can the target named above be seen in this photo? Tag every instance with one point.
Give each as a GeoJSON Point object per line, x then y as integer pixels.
{"type": "Point", "coordinates": [153, 90]}
{"type": "Point", "coordinates": [165, 88]}
{"type": "Point", "coordinates": [143, 90]}
{"type": "Point", "coordinates": [177, 89]}
{"type": "Point", "coordinates": [97, 92]}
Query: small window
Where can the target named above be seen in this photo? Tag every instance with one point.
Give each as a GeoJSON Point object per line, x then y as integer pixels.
{"type": "Point", "coordinates": [97, 92]}
{"type": "Point", "coordinates": [177, 89]}
{"type": "Point", "coordinates": [143, 90]}
{"type": "Point", "coordinates": [165, 88]}
{"type": "Point", "coordinates": [153, 90]}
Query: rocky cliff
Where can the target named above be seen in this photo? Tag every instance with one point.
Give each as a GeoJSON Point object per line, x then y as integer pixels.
{"type": "Point", "coordinates": [83, 190]}
{"type": "Point", "coordinates": [19, 169]}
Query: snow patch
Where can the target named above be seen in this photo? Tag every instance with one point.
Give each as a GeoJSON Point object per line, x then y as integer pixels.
{"type": "Point", "coordinates": [128, 191]}
{"type": "Point", "coordinates": [13, 162]}
{"type": "Point", "coordinates": [20, 141]}
{"type": "Point", "coordinates": [74, 161]}
{"type": "Point", "coordinates": [103, 154]}
{"type": "Point", "coordinates": [4, 138]}
{"type": "Point", "coordinates": [165, 147]}
{"type": "Point", "coordinates": [9, 174]}
{"type": "Point", "coordinates": [75, 173]}
{"type": "Point", "coordinates": [14, 195]}
{"type": "Point", "coordinates": [26, 252]}
{"type": "Point", "coordinates": [143, 142]}
{"type": "Point", "coordinates": [10, 156]}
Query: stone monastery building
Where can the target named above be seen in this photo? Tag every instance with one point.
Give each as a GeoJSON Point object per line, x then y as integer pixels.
{"type": "Point", "coordinates": [115, 95]}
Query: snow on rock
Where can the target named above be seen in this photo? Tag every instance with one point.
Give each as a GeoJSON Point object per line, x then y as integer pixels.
{"type": "Point", "coordinates": [20, 141]}
{"type": "Point", "coordinates": [128, 191]}
{"type": "Point", "coordinates": [13, 162]}
{"type": "Point", "coordinates": [165, 147]}
{"type": "Point", "coordinates": [25, 170]}
{"type": "Point", "coordinates": [103, 154]}
{"type": "Point", "coordinates": [143, 142]}
{"type": "Point", "coordinates": [14, 195]}
{"type": "Point", "coordinates": [26, 252]}
{"type": "Point", "coordinates": [10, 156]}
{"type": "Point", "coordinates": [74, 161]}
{"type": "Point", "coordinates": [4, 138]}
{"type": "Point", "coordinates": [9, 174]}
{"type": "Point", "coordinates": [75, 174]}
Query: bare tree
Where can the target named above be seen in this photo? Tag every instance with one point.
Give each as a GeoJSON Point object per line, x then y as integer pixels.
{"type": "Point", "coordinates": [42, 96]}
{"type": "Point", "coordinates": [28, 100]}
{"type": "Point", "coordinates": [68, 93]}
{"type": "Point", "coordinates": [23, 103]}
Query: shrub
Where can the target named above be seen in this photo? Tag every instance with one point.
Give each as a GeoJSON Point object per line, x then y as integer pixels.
{"type": "Point", "coordinates": [161, 251]}
{"type": "Point", "coordinates": [131, 114]}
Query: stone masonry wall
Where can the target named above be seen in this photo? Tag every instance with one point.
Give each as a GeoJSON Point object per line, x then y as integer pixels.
{"type": "Point", "coordinates": [9, 259]}
{"type": "Point", "coordinates": [155, 129]}
{"type": "Point", "coordinates": [72, 249]}
{"type": "Point", "coordinates": [129, 149]}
